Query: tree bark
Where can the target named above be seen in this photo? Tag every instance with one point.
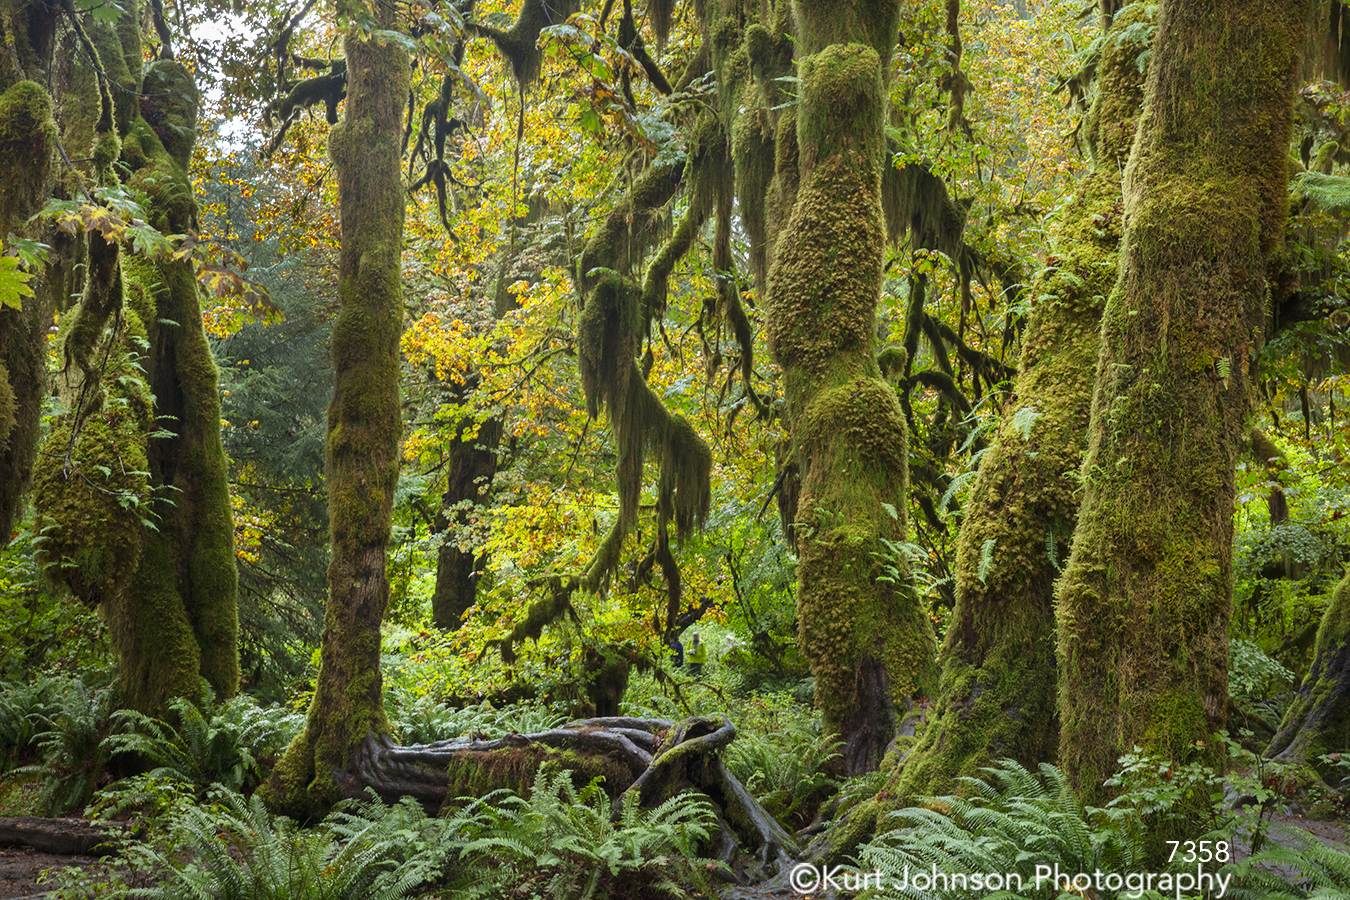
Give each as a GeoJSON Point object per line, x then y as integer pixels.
{"type": "Point", "coordinates": [1144, 604]}
{"type": "Point", "coordinates": [69, 837]}
{"type": "Point", "coordinates": [364, 429]}
{"type": "Point", "coordinates": [999, 678]}
{"type": "Point", "coordinates": [869, 641]}
{"type": "Point", "coordinates": [472, 464]}
{"type": "Point", "coordinates": [1318, 721]}
{"type": "Point", "coordinates": [27, 149]}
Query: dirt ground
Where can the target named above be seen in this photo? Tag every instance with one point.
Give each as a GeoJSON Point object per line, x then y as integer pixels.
{"type": "Point", "coordinates": [20, 868]}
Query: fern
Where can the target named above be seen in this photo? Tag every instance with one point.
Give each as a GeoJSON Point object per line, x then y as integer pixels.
{"type": "Point", "coordinates": [566, 843]}
{"type": "Point", "coordinates": [957, 483]}
{"type": "Point", "coordinates": [202, 751]}
{"type": "Point", "coordinates": [1297, 866]}
{"type": "Point", "coordinates": [1024, 419]}
{"type": "Point", "coordinates": [986, 559]}
{"type": "Point", "coordinates": [1010, 822]}
{"type": "Point", "coordinates": [240, 851]}
{"type": "Point", "coordinates": [1327, 191]}
{"type": "Point", "coordinates": [785, 769]}
{"type": "Point", "coordinates": [75, 722]}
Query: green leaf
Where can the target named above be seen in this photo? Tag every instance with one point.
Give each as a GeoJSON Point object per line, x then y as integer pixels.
{"type": "Point", "coordinates": [100, 10]}
{"type": "Point", "coordinates": [591, 121]}
{"type": "Point", "coordinates": [13, 283]}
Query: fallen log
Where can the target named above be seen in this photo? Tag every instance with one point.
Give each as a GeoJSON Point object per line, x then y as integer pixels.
{"type": "Point", "coordinates": [644, 761]}
{"type": "Point", "coordinates": [69, 837]}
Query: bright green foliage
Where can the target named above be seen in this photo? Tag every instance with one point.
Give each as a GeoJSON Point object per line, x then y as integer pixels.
{"type": "Point", "coordinates": [71, 746]}
{"type": "Point", "coordinates": [786, 768]}
{"type": "Point", "coordinates": [225, 749]}
{"type": "Point", "coordinates": [565, 843]}
{"type": "Point", "coordinates": [25, 711]}
{"type": "Point", "coordinates": [1007, 822]}
{"type": "Point", "coordinates": [239, 851]}
{"type": "Point", "coordinates": [1144, 603]}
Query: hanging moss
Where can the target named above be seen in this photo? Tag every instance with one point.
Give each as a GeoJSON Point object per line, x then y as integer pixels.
{"type": "Point", "coordinates": [91, 482]}
{"type": "Point", "coordinates": [1144, 603]}
{"type": "Point", "coordinates": [614, 319]}
{"type": "Point", "coordinates": [364, 431]}
{"type": "Point", "coordinates": [999, 679]}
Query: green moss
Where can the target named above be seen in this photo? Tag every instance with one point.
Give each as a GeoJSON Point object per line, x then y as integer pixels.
{"type": "Point", "coordinates": [6, 408]}
{"type": "Point", "coordinates": [157, 653]}
{"type": "Point", "coordinates": [364, 428]}
{"type": "Point", "coordinates": [90, 541]}
{"type": "Point", "coordinates": [1318, 720]}
{"type": "Point", "coordinates": [847, 428]}
{"type": "Point", "coordinates": [1143, 606]}
{"type": "Point", "coordinates": [27, 146]}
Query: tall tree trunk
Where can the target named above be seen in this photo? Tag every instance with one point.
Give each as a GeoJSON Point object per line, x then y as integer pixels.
{"type": "Point", "coordinates": [1318, 721]}
{"type": "Point", "coordinates": [132, 496]}
{"type": "Point", "coordinates": [364, 429]}
{"type": "Point", "coordinates": [1144, 604]}
{"type": "Point", "coordinates": [27, 149]}
{"type": "Point", "coordinates": [471, 465]}
{"type": "Point", "coordinates": [869, 641]}
{"type": "Point", "coordinates": [999, 678]}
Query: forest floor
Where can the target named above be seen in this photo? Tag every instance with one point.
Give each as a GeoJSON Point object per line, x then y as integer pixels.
{"type": "Point", "coordinates": [22, 868]}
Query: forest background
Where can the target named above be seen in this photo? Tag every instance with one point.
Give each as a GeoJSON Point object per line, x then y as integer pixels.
{"type": "Point", "coordinates": [505, 482]}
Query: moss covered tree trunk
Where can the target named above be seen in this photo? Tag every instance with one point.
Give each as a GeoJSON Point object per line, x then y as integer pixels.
{"type": "Point", "coordinates": [869, 641]}
{"type": "Point", "coordinates": [364, 428]}
{"type": "Point", "coordinates": [178, 620]}
{"type": "Point", "coordinates": [1144, 604]}
{"type": "Point", "coordinates": [999, 679]}
{"type": "Point", "coordinates": [1318, 721]}
{"type": "Point", "coordinates": [27, 153]}
{"type": "Point", "coordinates": [131, 492]}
